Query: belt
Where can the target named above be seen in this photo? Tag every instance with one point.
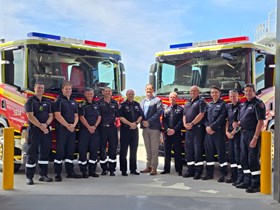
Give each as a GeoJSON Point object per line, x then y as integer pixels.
{"type": "Point", "coordinates": [197, 126]}
{"type": "Point", "coordinates": [125, 126]}
{"type": "Point", "coordinates": [107, 125]}
{"type": "Point", "coordinates": [250, 129]}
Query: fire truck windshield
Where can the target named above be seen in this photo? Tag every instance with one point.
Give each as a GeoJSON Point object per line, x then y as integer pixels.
{"type": "Point", "coordinates": [226, 69]}
{"type": "Point", "coordinates": [83, 68]}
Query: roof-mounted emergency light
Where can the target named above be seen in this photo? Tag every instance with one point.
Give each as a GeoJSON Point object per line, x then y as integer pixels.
{"type": "Point", "coordinates": [211, 42]}
{"type": "Point", "coordinates": [66, 40]}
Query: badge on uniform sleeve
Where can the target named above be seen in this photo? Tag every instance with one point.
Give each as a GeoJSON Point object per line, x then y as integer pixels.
{"type": "Point", "coordinates": [261, 105]}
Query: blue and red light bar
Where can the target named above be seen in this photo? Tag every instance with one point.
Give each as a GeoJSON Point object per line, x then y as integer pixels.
{"type": "Point", "coordinates": [210, 42]}
{"type": "Point", "coordinates": [183, 45]}
{"type": "Point", "coordinates": [233, 39]}
{"type": "Point", "coordinates": [66, 40]}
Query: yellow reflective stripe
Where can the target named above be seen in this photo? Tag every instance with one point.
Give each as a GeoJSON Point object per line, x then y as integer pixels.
{"type": "Point", "coordinates": [21, 100]}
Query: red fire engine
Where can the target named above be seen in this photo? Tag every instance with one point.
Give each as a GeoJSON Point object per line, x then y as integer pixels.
{"type": "Point", "coordinates": [227, 63]}
{"type": "Point", "coordinates": [51, 59]}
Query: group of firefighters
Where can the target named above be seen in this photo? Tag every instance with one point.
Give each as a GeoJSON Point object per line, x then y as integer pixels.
{"type": "Point", "coordinates": [211, 128]}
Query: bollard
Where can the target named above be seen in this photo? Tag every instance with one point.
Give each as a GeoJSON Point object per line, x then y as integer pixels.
{"type": "Point", "coordinates": [266, 162]}
{"type": "Point", "coordinates": [8, 159]}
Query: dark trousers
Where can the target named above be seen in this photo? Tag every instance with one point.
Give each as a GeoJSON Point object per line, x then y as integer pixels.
{"type": "Point", "coordinates": [88, 143]}
{"type": "Point", "coordinates": [216, 143]}
{"type": "Point", "coordinates": [129, 138]}
{"type": "Point", "coordinates": [108, 135]}
{"type": "Point", "coordinates": [65, 148]}
{"type": "Point", "coordinates": [39, 147]}
{"type": "Point", "coordinates": [194, 149]}
{"type": "Point", "coordinates": [175, 142]}
{"type": "Point", "coordinates": [234, 157]}
{"type": "Point", "coordinates": [250, 159]}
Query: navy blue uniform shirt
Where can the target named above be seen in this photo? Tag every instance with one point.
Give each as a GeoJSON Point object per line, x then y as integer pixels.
{"type": "Point", "coordinates": [250, 112]}
{"type": "Point", "coordinates": [232, 111]}
{"type": "Point", "coordinates": [216, 115]}
{"type": "Point", "coordinates": [90, 111]}
{"type": "Point", "coordinates": [41, 110]}
{"type": "Point", "coordinates": [130, 111]}
{"type": "Point", "coordinates": [193, 108]}
{"type": "Point", "coordinates": [108, 111]}
{"type": "Point", "coordinates": [67, 108]}
{"type": "Point", "coordinates": [173, 120]}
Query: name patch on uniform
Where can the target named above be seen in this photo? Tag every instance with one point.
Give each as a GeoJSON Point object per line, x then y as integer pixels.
{"type": "Point", "coordinates": [250, 107]}
{"type": "Point", "coordinates": [45, 104]}
{"type": "Point", "coordinates": [73, 103]}
{"type": "Point", "coordinates": [218, 106]}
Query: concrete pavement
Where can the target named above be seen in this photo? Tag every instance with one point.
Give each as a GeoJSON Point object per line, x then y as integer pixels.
{"type": "Point", "coordinates": [132, 192]}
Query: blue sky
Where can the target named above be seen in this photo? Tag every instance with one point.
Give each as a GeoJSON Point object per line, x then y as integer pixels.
{"type": "Point", "coordinates": [137, 28]}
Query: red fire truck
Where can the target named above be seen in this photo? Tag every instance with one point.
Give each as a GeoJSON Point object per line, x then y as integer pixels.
{"type": "Point", "coordinates": [228, 63]}
{"type": "Point", "coordinates": [51, 59]}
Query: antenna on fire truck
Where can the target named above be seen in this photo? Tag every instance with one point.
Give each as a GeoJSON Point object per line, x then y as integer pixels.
{"type": "Point", "coordinates": [265, 33]}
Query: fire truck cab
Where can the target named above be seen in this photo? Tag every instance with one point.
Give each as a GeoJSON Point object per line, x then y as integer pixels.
{"type": "Point", "coordinates": [226, 63]}
{"type": "Point", "coordinates": [52, 60]}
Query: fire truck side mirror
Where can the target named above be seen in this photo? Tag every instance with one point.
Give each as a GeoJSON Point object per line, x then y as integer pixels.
{"type": "Point", "coordinates": [122, 70]}
{"type": "Point", "coordinates": [152, 78]}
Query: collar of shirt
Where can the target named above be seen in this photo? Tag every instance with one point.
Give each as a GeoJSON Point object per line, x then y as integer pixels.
{"type": "Point", "coordinates": [129, 102]}
{"type": "Point", "coordinates": [103, 101]}
{"type": "Point", "coordinates": [252, 100]}
{"type": "Point", "coordinates": [173, 106]}
{"type": "Point", "coordinates": [37, 99]}
{"type": "Point", "coordinates": [236, 105]}
{"type": "Point", "coordinates": [149, 99]}
{"type": "Point", "coordinates": [65, 98]}
{"type": "Point", "coordinates": [219, 100]}
{"type": "Point", "coordinates": [193, 100]}
{"type": "Point", "coordinates": [87, 103]}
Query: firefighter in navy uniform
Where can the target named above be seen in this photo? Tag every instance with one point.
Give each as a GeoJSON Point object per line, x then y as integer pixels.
{"type": "Point", "coordinates": [251, 120]}
{"type": "Point", "coordinates": [40, 116]}
{"type": "Point", "coordinates": [194, 112]}
{"type": "Point", "coordinates": [215, 139]}
{"type": "Point", "coordinates": [130, 114]}
{"type": "Point", "coordinates": [172, 123]}
{"type": "Point", "coordinates": [108, 132]}
{"type": "Point", "coordinates": [89, 139]}
{"type": "Point", "coordinates": [233, 137]}
{"type": "Point", "coordinates": [66, 114]}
